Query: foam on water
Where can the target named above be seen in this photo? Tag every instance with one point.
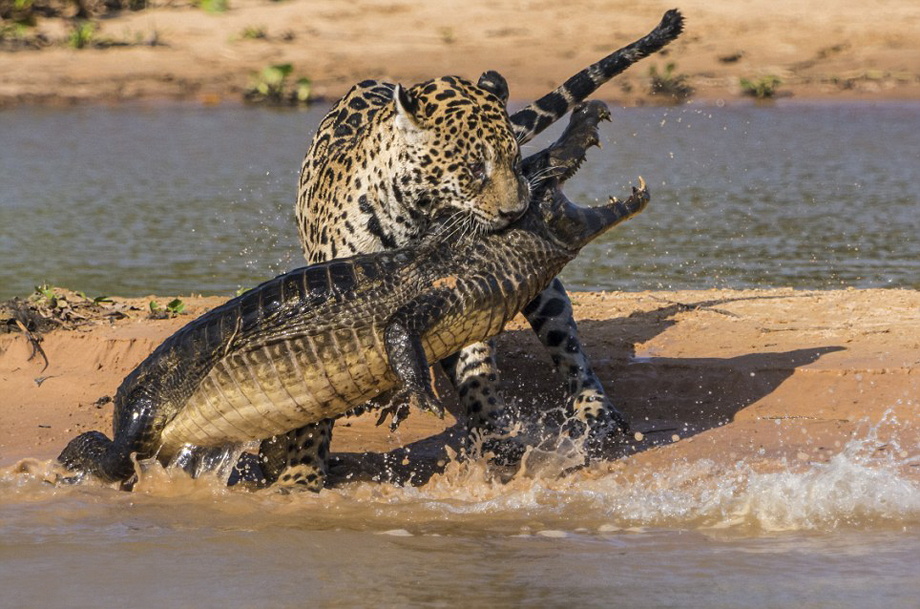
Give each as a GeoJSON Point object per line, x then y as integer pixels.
{"type": "Point", "coordinates": [859, 487]}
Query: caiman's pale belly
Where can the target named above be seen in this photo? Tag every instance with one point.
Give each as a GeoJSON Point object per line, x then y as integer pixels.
{"type": "Point", "coordinates": [271, 390]}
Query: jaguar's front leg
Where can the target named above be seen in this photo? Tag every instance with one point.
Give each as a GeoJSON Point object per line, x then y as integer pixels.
{"type": "Point", "coordinates": [474, 373]}
{"type": "Point", "coordinates": [550, 316]}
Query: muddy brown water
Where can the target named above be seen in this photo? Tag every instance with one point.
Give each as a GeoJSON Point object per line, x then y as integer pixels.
{"type": "Point", "coordinates": [131, 201]}
{"type": "Point", "coordinates": [697, 534]}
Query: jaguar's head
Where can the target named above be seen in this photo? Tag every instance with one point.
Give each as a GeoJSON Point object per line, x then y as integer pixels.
{"type": "Point", "coordinates": [460, 151]}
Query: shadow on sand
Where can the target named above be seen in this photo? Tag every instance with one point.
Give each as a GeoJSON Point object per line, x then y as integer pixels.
{"type": "Point", "coordinates": [661, 396]}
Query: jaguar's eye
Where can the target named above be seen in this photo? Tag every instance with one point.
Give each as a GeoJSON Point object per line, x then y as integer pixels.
{"type": "Point", "coordinates": [478, 170]}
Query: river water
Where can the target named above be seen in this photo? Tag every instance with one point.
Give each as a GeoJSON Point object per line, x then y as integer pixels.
{"type": "Point", "coordinates": [130, 201]}
{"type": "Point", "coordinates": [700, 534]}
{"type": "Point", "coordinates": [138, 200]}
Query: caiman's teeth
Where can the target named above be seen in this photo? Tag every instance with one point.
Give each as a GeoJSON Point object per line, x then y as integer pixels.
{"type": "Point", "coordinates": [614, 200]}
{"type": "Point", "coordinates": [641, 183]}
{"type": "Point", "coordinates": [573, 170]}
{"type": "Point", "coordinates": [600, 144]}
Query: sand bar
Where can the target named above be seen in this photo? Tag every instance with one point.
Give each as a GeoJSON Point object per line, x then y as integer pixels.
{"type": "Point", "coordinates": [779, 376]}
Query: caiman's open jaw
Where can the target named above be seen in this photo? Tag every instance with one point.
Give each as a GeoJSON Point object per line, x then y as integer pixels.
{"type": "Point", "coordinates": [580, 134]}
{"type": "Point", "coordinates": [565, 156]}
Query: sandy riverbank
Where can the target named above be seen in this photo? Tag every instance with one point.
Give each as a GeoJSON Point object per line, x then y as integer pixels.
{"type": "Point", "coordinates": [850, 50]}
{"type": "Point", "coordinates": [772, 376]}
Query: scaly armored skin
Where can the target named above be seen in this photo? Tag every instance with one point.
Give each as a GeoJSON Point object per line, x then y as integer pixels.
{"type": "Point", "coordinates": [387, 159]}
{"type": "Point", "coordinates": [316, 342]}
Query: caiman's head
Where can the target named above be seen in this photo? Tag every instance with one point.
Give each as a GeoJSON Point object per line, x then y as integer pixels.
{"type": "Point", "coordinates": [568, 225]}
{"type": "Point", "coordinates": [572, 227]}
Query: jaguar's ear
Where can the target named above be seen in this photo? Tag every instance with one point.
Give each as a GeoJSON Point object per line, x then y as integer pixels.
{"type": "Point", "coordinates": [494, 83]}
{"type": "Point", "coordinates": [406, 110]}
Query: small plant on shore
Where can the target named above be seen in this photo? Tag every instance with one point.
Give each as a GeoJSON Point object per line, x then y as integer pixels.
{"type": "Point", "coordinates": [81, 35]}
{"type": "Point", "coordinates": [173, 308]}
{"type": "Point", "coordinates": [272, 80]}
{"type": "Point", "coordinates": [47, 292]}
{"type": "Point", "coordinates": [271, 87]}
{"type": "Point", "coordinates": [214, 6]}
{"type": "Point", "coordinates": [20, 14]}
{"type": "Point", "coordinates": [760, 88]}
{"type": "Point", "coordinates": [253, 33]}
{"type": "Point", "coordinates": [302, 91]}
{"type": "Point", "coordinates": [668, 83]}
{"type": "Point", "coordinates": [13, 31]}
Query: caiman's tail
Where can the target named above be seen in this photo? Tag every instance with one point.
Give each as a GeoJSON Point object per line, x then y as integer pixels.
{"type": "Point", "coordinates": [93, 453]}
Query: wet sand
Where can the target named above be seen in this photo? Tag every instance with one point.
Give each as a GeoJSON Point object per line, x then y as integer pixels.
{"type": "Point", "coordinates": [848, 50]}
{"type": "Point", "coordinates": [773, 377]}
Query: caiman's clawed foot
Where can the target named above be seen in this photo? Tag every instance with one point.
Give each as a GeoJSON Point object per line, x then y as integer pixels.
{"type": "Point", "coordinates": [568, 152]}
{"type": "Point", "coordinates": [406, 399]}
{"type": "Point", "coordinates": [398, 411]}
{"type": "Point", "coordinates": [565, 156]}
{"type": "Point", "coordinates": [426, 401]}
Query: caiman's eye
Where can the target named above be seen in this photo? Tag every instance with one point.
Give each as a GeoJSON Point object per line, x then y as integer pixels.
{"type": "Point", "coordinates": [478, 171]}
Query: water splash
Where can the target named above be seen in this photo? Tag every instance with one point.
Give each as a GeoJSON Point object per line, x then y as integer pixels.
{"type": "Point", "coordinates": [870, 483]}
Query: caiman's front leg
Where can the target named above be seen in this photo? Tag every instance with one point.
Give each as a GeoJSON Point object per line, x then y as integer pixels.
{"type": "Point", "coordinates": [403, 341]}
{"type": "Point", "coordinates": [550, 315]}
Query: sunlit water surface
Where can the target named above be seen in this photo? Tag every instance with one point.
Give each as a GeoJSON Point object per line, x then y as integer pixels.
{"type": "Point", "coordinates": [131, 201]}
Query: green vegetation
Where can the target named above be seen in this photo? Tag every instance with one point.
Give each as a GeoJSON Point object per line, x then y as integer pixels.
{"type": "Point", "coordinates": [13, 31]}
{"type": "Point", "coordinates": [272, 81]}
{"type": "Point", "coordinates": [173, 308]}
{"type": "Point", "coordinates": [253, 33]}
{"type": "Point", "coordinates": [98, 300]}
{"type": "Point", "coordinates": [81, 35]}
{"type": "Point", "coordinates": [302, 91]}
{"type": "Point", "coordinates": [20, 13]}
{"type": "Point", "coordinates": [669, 83]}
{"type": "Point", "coordinates": [270, 87]}
{"type": "Point", "coordinates": [761, 88]}
{"type": "Point", "coordinates": [47, 292]}
{"type": "Point", "coordinates": [214, 6]}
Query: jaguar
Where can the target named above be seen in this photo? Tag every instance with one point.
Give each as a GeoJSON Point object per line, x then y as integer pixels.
{"type": "Point", "coordinates": [387, 159]}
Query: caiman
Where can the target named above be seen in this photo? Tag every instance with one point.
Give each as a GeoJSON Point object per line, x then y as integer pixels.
{"type": "Point", "coordinates": [322, 340]}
